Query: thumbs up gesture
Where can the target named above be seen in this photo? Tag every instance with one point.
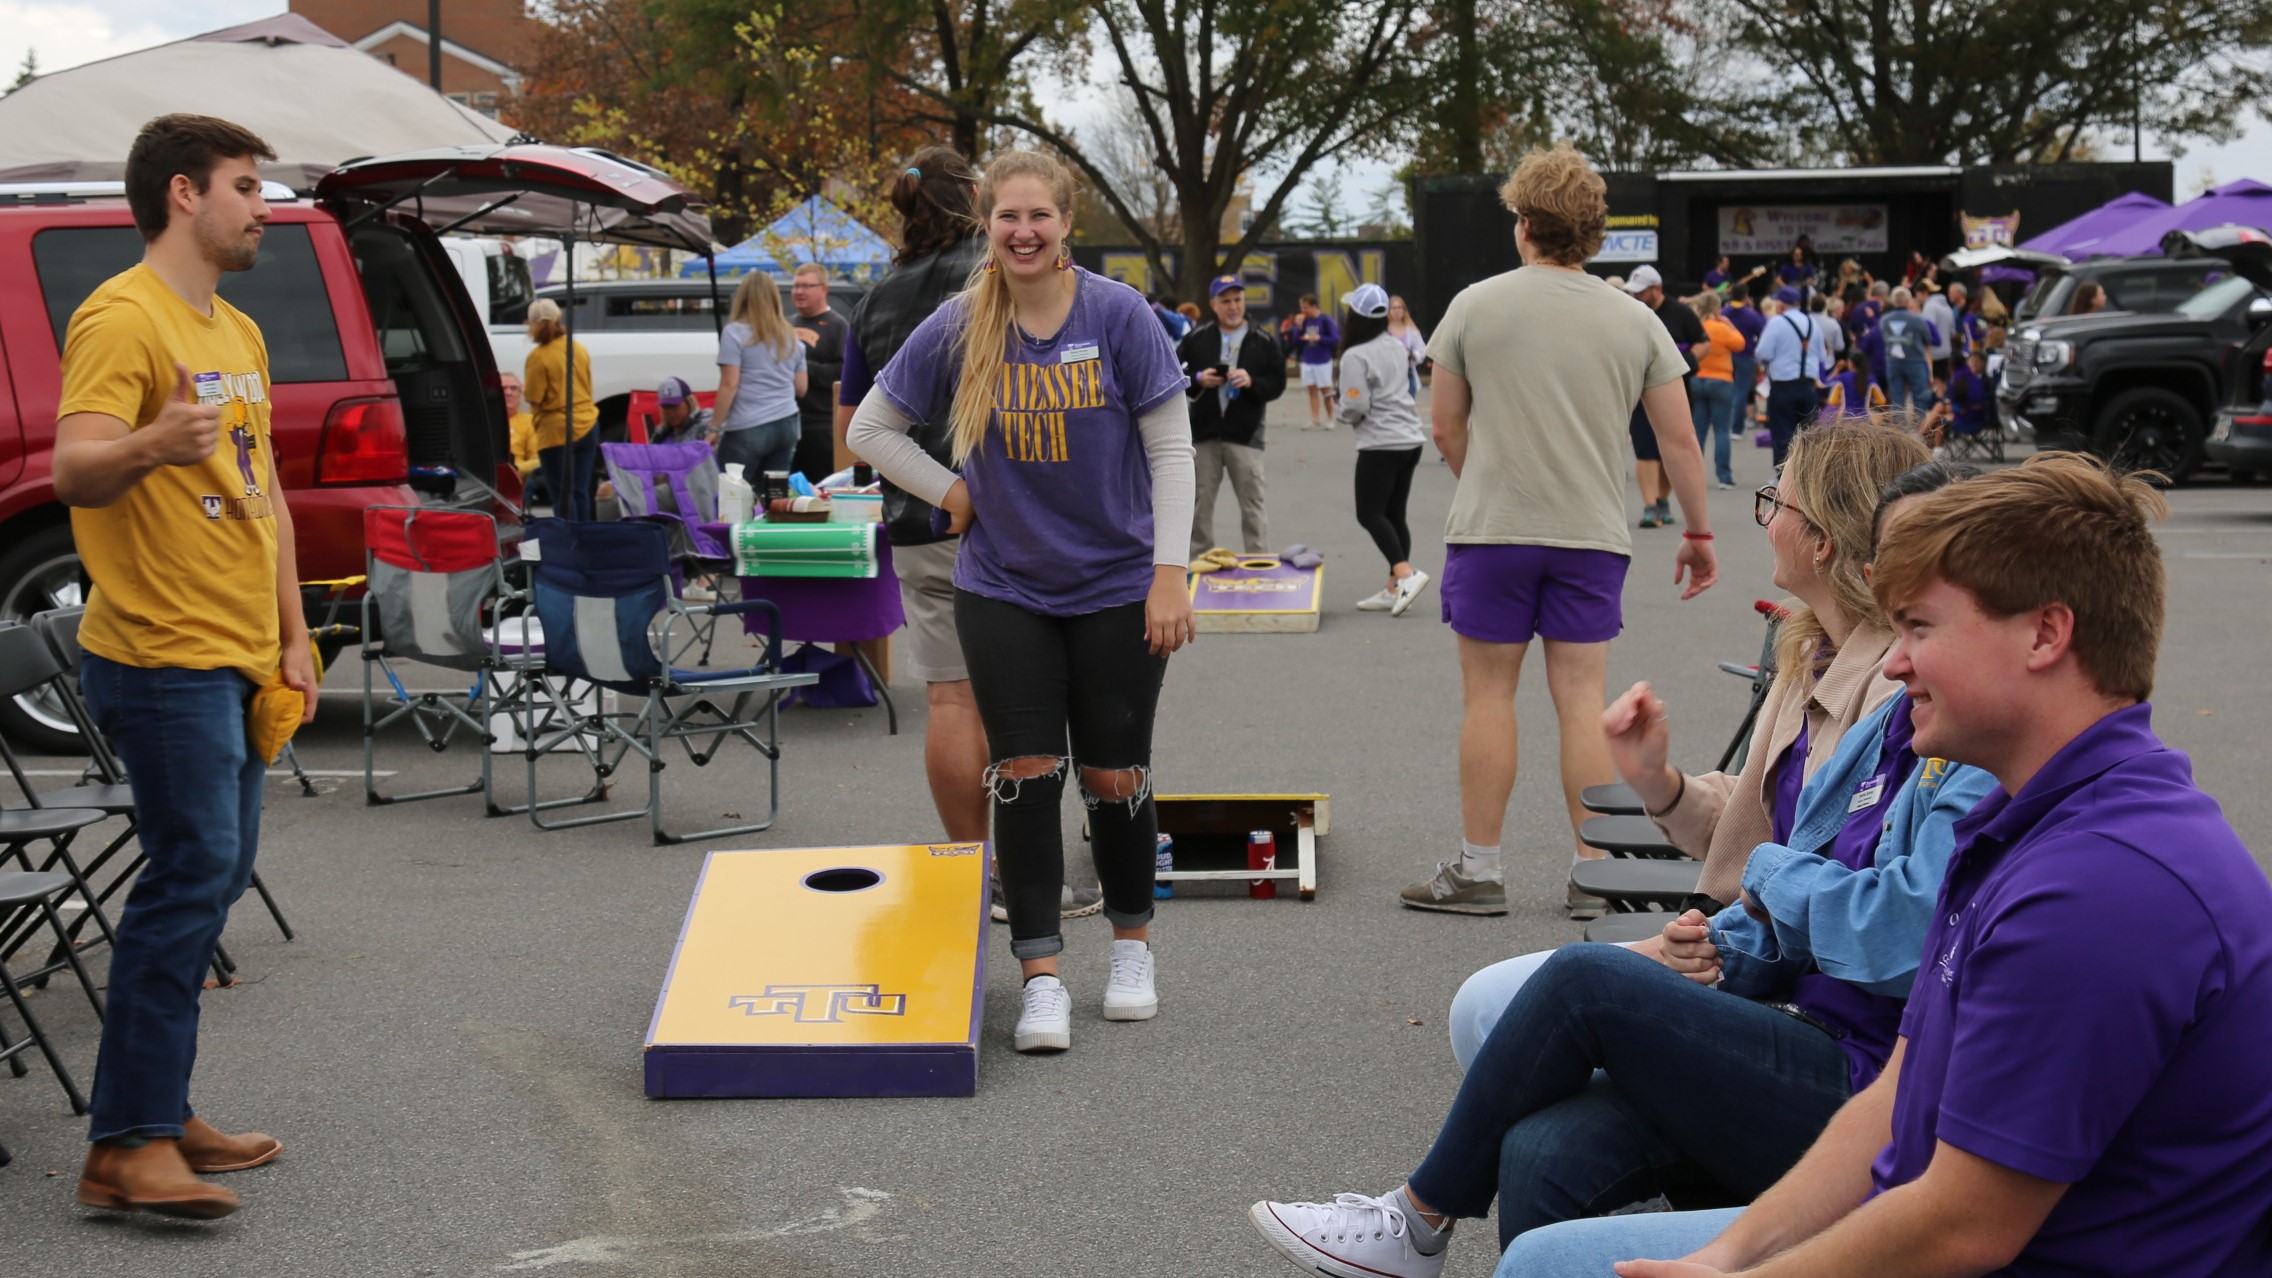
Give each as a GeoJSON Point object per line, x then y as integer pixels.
{"type": "Point", "coordinates": [184, 432]}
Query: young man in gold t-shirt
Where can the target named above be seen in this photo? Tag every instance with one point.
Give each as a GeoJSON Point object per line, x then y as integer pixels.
{"type": "Point", "coordinates": [163, 452]}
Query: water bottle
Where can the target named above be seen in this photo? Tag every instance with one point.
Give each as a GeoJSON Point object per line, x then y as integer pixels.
{"type": "Point", "coordinates": [1164, 863]}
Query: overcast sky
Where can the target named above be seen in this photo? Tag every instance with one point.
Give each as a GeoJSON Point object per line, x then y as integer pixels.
{"type": "Point", "coordinates": [66, 33]}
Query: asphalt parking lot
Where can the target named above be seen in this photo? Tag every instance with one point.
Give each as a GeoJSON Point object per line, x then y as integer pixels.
{"type": "Point", "coordinates": [450, 1050]}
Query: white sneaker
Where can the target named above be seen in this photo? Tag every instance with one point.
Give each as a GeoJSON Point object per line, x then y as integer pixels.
{"type": "Point", "coordinates": [1351, 1237]}
{"type": "Point", "coordinates": [1046, 1024]}
{"type": "Point", "coordinates": [1407, 590]}
{"type": "Point", "coordinates": [1382, 602]}
{"type": "Point", "coordinates": [1129, 994]}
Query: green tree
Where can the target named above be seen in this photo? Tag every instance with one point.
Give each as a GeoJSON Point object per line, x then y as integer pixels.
{"type": "Point", "coordinates": [969, 59]}
{"type": "Point", "coordinates": [27, 72]}
{"type": "Point", "coordinates": [1957, 81]}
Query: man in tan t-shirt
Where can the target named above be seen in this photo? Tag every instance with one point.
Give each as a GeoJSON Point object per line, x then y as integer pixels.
{"type": "Point", "coordinates": [1537, 373]}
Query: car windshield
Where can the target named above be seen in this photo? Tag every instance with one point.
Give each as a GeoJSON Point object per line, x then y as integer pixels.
{"type": "Point", "coordinates": [2216, 297]}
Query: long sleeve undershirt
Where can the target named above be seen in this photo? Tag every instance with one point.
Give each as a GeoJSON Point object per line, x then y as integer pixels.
{"type": "Point", "coordinates": [880, 434]}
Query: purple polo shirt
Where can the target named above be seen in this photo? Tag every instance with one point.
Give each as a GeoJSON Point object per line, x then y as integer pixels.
{"type": "Point", "coordinates": [1867, 1023]}
{"type": "Point", "coordinates": [2095, 1009]}
{"type": "Point", "coordinates": [1749, 322]}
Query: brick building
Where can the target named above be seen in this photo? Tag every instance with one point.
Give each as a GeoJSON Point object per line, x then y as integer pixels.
{"type": "Point", "coordinates": [482, 40]}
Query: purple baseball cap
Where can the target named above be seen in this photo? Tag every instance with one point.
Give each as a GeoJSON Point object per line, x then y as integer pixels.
{"type": "Point", "coordinates": [1787, 296]}
{"type": "Point", "coordinates": [673, 390]}
{"type": "Point", "coordinates": [1222, 284]}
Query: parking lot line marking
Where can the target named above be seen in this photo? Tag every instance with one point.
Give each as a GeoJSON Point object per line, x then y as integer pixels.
{"type": "Point", "coordinates": [274, 772]}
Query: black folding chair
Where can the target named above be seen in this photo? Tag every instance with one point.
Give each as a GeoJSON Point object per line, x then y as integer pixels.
{"type": "Point", "coordinates": [35, 895]}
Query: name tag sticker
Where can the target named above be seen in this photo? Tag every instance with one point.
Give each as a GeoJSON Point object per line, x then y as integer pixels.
{"type": "Point", "coordinates": [1867, 794]}
{"type": "Point", "coordinates": [209, 389]}
{"type": "Point", "coordinates": [1079, 354]}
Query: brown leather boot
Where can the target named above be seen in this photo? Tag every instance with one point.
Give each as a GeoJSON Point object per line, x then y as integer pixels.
{"type": "Point", "coordinates": [152, 1178]}
{"type": "Point", "coordinates": [208, 1151]}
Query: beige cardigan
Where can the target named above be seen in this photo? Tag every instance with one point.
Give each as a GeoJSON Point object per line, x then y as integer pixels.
{"type": "Point", "coordinates": [1719, 818]}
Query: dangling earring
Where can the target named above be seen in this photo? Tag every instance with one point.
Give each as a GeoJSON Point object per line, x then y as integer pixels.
{"type": "Point", "coordinates": [1065, 259]}
{"type": "Point", "coordinates": [992, 267]}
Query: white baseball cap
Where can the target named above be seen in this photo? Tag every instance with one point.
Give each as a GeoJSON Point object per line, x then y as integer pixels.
{"type": "Point", "coordinates": [1368, 300]}
{"type": "Point", "coordinates": [1643, 279]}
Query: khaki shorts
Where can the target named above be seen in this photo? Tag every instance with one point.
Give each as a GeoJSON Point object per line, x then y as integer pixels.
{"type": "Point", "coordinates": [927, 594]}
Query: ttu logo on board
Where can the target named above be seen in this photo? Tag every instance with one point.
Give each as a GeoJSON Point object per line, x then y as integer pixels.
{"type": "Point", "coordinates": [820, 1004]}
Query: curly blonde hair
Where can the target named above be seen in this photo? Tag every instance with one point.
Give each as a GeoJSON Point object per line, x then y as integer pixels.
{"type": "Point", "coordinates": [1563, 201]}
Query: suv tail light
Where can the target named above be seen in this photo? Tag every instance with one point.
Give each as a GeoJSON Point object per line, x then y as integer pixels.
{"type": "Point", "coordinates": [363, 443]}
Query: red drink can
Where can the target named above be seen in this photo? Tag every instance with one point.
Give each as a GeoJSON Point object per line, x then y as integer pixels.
{"type": "Point", "coordinates": [1262, 854]}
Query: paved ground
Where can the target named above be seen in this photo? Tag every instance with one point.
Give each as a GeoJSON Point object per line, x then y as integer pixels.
{"type": "Point", "coordinates": [451, 1050]}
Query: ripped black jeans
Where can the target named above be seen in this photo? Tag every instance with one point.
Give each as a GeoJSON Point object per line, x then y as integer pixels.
{"type": "Point", "coordinates": [1041, 683]}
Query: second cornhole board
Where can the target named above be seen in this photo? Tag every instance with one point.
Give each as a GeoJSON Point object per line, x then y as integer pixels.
{"type": "Point", "coordinates": [826, 972]}
{"type": "Point", "coordinates": [1279, 599]}
{"type": "Point", "coordinates": [1210, 835]}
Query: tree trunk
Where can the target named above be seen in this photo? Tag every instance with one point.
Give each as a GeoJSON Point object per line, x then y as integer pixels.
{"type": "Point", "coordinates": [1201, 247]}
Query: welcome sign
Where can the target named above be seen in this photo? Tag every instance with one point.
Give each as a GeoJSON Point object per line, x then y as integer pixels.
{"type": "Point", "coordinates": [1748, 230]}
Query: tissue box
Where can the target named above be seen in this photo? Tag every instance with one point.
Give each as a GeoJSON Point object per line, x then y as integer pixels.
{"type": "Point", "coordinates": [856, 508]}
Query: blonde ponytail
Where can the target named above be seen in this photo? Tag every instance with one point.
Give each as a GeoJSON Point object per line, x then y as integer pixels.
{"type": "Point", "coordinates": [987, 316]}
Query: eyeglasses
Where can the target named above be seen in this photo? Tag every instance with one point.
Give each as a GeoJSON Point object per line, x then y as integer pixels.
{"type": "Point", "coordinates": [1766, 502]}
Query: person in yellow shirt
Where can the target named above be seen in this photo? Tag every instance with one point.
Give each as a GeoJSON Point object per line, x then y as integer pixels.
{"type": "Point", "coordinates": [520, 426]}
{"type": "Point", "coordinates": [571, 466]}
{"type": "Point", "coordinates": [164, 455]}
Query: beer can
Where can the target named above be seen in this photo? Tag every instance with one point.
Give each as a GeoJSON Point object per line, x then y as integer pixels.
{"type": "Point", "coordinates": [1262, 854]}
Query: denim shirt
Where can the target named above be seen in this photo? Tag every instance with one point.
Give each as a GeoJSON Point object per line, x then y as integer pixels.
{"type": "Point", "coordinates": [1864, 927]}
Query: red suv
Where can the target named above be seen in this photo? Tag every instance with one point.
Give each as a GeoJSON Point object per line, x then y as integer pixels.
{"type": "Point", "coordinates": [380, 367]}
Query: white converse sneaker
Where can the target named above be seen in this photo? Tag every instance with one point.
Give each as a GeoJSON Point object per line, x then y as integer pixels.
{"type": "Point", "coordinates": [1128, 993]}
{"type": "Point", "coordinates": [1407, 590]}
{"type": "Point", "coordinates": [1381, 602]}
{"type": "Point", "coordinates": [1046, 1024]}
{"type": "Point", "coordinates": [1351, 1237]}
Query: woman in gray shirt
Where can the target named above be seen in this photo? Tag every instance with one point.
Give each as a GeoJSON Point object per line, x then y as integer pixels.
{"type": "Point", "coordinates": [1376, 399]}
{"type": "Point", "coordinates": [761, 372]}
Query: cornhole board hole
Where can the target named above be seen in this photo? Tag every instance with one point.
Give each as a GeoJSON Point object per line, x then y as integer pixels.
{"type": "Point", "coordinates": [1263, 595]}
{"type": "Point", "coordinates": [826, 972]}
{"type": "Point", "coordinates": [1210, 833]}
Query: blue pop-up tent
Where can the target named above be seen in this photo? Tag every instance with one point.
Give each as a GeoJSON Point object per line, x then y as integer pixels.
{"type": "Point", "coordinates": [814, 231]}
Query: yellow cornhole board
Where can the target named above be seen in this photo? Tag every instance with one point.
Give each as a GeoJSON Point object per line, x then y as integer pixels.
{"type": "Point", "coordinates": [1263, 595]}
{"type": "Point", "coordinates": [1210, 836]}
{"type": "Point", "coordinates": [826, 972]}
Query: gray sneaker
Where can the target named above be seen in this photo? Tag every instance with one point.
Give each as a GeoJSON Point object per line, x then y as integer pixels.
{"type": "Point", "coordinates": [1578, 906]}
{"type": "Point", "coordinates": [1452, 892]}
{"type": "Point", "coordinates": [1080, 902]}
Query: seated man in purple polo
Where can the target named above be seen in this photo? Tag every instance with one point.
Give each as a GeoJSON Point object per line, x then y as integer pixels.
{"type": "Point", "coordinates": [2083, 1083]}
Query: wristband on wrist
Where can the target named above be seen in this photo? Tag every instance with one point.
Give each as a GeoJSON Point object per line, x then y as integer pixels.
{"type": "Point", "coordinates": [1677, 796]}
{"type": "Point", "coordinates": [1697, 536]}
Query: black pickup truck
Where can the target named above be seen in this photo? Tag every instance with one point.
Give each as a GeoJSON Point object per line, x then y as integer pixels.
{"type": "Point", "coordinates": [2137, 389]}
{"type": "Point", "coordinates": [2241, 439]}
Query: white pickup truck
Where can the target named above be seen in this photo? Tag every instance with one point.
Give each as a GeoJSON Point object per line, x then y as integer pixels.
{"type": "Point", "coordinates": [636, 332]}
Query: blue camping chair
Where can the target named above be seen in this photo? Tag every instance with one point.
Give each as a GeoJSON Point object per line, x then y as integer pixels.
{"type": "Point", "coordinates": [600, 588]}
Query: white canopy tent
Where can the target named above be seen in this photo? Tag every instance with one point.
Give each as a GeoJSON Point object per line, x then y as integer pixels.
{"type": "Point", "coordinates": [310, 95]}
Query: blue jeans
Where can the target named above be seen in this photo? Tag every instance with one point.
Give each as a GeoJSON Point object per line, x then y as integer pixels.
{"type": "Point", "coordinates": [572, 493]}
{"type": "Point", "coordinates": [1587, 1248]}
{"type": "Point", "coordinates": [1910, 382]}
{"type": "Point", "coordinates": [181, 735]}
{"type": "Point", "coordinates": [1712, 405]}
{"type": "Point", "coordinates": [1699, 1089]}
{"type": "Point", "coordinates": [1747, 380]}
{"type": "Point", "coordinates": [760, 448]}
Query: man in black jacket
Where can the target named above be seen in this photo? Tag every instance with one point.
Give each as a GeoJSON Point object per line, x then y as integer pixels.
{"type": "Point", "coordinates": [822, 331]}
{"type": "Point", "coordinates": [1235, 371]}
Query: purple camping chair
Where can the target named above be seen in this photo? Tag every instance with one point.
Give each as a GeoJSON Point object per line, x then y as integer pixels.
{"type": "Point", "coordinates": [675, 485]}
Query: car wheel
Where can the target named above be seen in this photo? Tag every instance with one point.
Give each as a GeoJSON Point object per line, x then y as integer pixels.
{"type": "Point", "coordinates": [2148, 428]}
{"type": "Point", "coordinates": [38, 573]}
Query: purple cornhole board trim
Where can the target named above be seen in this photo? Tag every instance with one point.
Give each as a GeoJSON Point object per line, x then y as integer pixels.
{"type": "Point", "coordinates": [1216, 592]}
{"type": "Point", "coordinates": [723, 1070]}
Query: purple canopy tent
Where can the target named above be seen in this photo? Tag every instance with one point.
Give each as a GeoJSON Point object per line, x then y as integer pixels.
{"type": "Point", "coordinates": [2080, 237]}
{"type": "Point", "coordinates": [2244, 202]}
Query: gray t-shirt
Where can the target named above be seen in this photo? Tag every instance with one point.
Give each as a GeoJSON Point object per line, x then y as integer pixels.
{"type": "Point", "coordinates": [1555, 361]}
{"type": "Point", "coordinates": [768, 391]}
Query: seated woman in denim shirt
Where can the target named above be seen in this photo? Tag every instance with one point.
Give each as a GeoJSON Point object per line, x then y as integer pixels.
{"type": "Point", "coordinates": [1614, 1076]}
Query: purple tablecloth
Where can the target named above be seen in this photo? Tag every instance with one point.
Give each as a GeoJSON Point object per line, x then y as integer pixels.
{"type": "Point", "coordinates": [828, 609]}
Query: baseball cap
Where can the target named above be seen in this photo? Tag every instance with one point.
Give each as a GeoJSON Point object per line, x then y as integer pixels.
{"type": "Point", "coordinates": [1368, 300]}
{"type": "Point", "coordinates": [1643, 279]}
{"type": "Point", "coordinates": [1788, 296]}
{"type": "Point", "coordinates": [1222, 284]}
{"type": "Point", "coordinates": [673, 390]}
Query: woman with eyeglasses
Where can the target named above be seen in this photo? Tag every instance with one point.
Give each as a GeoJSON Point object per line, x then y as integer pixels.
{"type": "Point", "coordinates": [1711, 1061]}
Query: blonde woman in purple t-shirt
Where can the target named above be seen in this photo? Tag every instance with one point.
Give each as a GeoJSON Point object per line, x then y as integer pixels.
{"type": "Point", "coordinates": [1074, 506]}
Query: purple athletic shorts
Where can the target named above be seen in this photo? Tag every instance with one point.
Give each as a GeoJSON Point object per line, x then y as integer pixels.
{"type": "Point", "coordinates": [1508, 594]}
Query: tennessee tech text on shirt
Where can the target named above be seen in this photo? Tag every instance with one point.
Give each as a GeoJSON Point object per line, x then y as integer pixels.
{"type": "Point", "coordinates": [1031, 403]}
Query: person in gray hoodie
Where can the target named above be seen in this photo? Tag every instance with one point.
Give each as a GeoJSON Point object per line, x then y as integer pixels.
{"type": "Point", "coordinates": [1376, 400]}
